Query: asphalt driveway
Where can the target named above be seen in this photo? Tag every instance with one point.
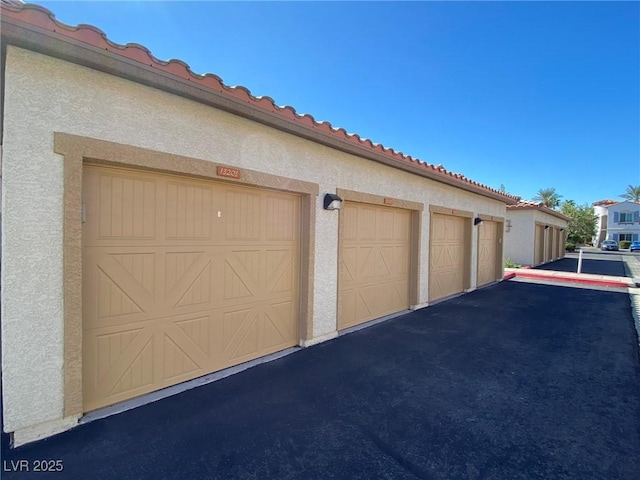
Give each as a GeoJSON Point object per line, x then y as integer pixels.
{"type": "Point", "coordinates": [591, 263]}
{"type": "Point", "coordinates": [514, 381]}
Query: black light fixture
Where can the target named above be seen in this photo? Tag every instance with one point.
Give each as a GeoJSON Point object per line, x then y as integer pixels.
{"type": "Point", "coordinates": [546, 227]}
{"type": "Point", "coordinates": [332, 201]}
{"type": "Point", "coordinates": [477, 221]}
{"type": "Point", "coordinates": [562, 229]}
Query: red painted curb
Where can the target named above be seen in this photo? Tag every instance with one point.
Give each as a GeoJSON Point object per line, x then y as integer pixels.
{"type": "Point", "coordinates": [586, 281]}
{"type": "Point", "coordinates": [508, 276]}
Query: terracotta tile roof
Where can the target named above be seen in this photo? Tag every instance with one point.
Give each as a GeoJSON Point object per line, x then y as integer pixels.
{"type": "Point", "coordinates": [531, 205]}
{"type": "Point", "coordinates": [35, 16]}
{"type": "Point", "coordinates": [526, 204]}
{"type": "Point", "coordinates": [606, 201]}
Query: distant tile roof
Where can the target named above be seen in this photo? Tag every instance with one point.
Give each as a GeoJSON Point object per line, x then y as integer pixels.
{"type": "Point", "coordinates": [606, 202]}
{"type": "Point", "coordinates": [526, 204]}
{"type": "Point", "coordinates": [531, 205]}
{"type": "Point", "coordinates": [35, 17]}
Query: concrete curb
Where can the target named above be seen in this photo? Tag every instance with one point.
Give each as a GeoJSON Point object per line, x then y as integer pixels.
{"type": "Point", "coordinates": [567, 277]}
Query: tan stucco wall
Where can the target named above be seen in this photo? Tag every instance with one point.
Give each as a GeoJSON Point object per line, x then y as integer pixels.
{"type": "Point", "coordinates": [519, 241]}
{"type": "Point", "coordinates": [44, 95]}
{"type": "Point", "coordinates": [519, 238]}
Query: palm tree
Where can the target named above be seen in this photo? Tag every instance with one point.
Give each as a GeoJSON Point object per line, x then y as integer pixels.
{"type": "Point", "coordinates": [548, 197]}
{"type": "Point", "coordinates": [632, 194]}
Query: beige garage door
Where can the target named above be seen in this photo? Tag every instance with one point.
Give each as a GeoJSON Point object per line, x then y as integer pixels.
{"type": "Point", "coordinates": [548, 252]}
{"type": "Point", "coordinates": [539, 245]}
{"type": "Point", "coordinates": [181, 278]}
{"type": "Point", "coordinates": [374, 262]}
{"type": "Point", "coordinates": [487, 252]}
{"type": "Point", "coordinates": [447, 256]}
{"type": "Point", "coordinates": [561, 244]}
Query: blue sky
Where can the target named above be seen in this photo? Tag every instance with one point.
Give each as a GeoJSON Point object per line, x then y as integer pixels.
{"type": "Point", "coordinates": [526, 94]}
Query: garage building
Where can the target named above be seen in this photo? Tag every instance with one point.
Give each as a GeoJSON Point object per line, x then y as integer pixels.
{"type": "Point", "coordinates": [534, 233]}
{"type": "Point", "coordinates": [159, 226]}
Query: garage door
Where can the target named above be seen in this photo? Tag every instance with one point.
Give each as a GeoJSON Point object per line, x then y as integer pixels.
{"type": "Point", "coordinates": [539, 245]}
{"type": "Point", "coordinates": [561, 244]}
{"type": "Point", "coordinates": [181, 278]}
{"type": "Point", "coordinates": [487, 252]}
{"type": "Point", "coordinates": [374, 262]}
{"type": "Point", "coordinates": [556, 252]}
{"type": "Point", "coordinates": [447, 256]}
{"type": "Point", "coordinates": [548, 252]}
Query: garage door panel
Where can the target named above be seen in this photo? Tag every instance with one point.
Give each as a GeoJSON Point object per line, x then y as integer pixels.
{"type": "Point", "coordinates": [177, 263]}
{"type": "Point", "coordinates": [399, 263]}
{"type": "Point", "coordinates": [393, 296]}
{"type": "Point", "coordinates": [142, 268]}
{"type": "Point", "coordinates": [402, 227]}
{"type": "Point", "coordinates": [349, 222]}
{"type": "Point", "coordinates": [392, 262]}
{"type": "Point", "coordinates": [188, 285]}
{"type": "Point", "coordinates": [279, 270]}
{"type": "Point", "coordinates": [115, 291]}
{"type": "Point", "coordinates": [278, 209]}
{"type": "Point", "coordinates": [539, 244]}
{"type": "Point", "coordinates": [198, 330]}
{"type": "Point", "coordinates": [374, 263]}
{"type": "Point", "coordinates": [121, 356]}
{"type": "Point", "coordinates": [181, 354]}
{"type": "Point", "coordinates": [128, 362]}
{"type": "Point", "coordinates": [238, 278]}
{"type": "Point", "coordinates": [194, 296]}
{"type": "Point", "coordinates": [278, 325]}
{"type": "Point", "coordinates": [282, 278]}
{"type": "Point", "coordinates": [126, 206]}
{"type": "Point", "coordinates": [347, 304]}
{"type": "Point", "coordinates": [198, 291]}
{"type": "Point", "coordinates": [487, 252]}
{"type": "Point", "coordinates": [240, 333]}
{"type": "Point", "coordinates": [367, 226]}
{"type": "Point", "coordinates": [447, 283]}
{"type": "Point", "coordinates": [189, 211]}
{"type": "Point", "coordinates": [365, 266]}
{"type": "Point", "coordinates": [447, 255]}
{"type": "Point", "coordinates": [243, 216]}
{"type": "Point", "coordinates": [130, 377]}
{"type": "Point", "coordinates": [348, 265]}
{"type": "Point", "coordinates": [384, 262]}
{"type": "Point", "coordinates": [366, 302]}
{"type": "Point", "coordinates": [385, 226]}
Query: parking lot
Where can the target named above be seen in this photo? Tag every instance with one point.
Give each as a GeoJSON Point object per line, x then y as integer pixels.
{"type": "Point", "coordinates": [514, 381]}
{"type": "Point", "coordinates": [594, 261]}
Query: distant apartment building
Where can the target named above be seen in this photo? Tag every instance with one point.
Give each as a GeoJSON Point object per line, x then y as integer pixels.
{"type": "Point", "coordinates": [617, 221]}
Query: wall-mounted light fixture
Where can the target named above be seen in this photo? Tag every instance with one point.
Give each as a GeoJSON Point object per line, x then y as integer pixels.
{"type": "Point", "coordinates": [546, 227]}
{"type": "Point", "coordinates": [477, 221]}
{"type": "Point", "coordinates": [562, 229]}
{"type": "Point", "coordinates": [332, 201]}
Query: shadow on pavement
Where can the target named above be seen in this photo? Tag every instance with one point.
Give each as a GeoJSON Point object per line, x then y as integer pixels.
{"type": "Point", "coordinates": [596, 267]}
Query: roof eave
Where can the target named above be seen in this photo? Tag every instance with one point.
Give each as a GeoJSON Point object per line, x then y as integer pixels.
{"type": "Point", "coordinates": [546, 210]}
{"type": "Point", "coordinates": [31, 37]}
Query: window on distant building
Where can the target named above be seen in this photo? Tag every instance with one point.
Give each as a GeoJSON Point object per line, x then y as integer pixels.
{"type": "Point", "coordinates": [626, 217]}
{"type": "Point", "coordinates": [625, 236]}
